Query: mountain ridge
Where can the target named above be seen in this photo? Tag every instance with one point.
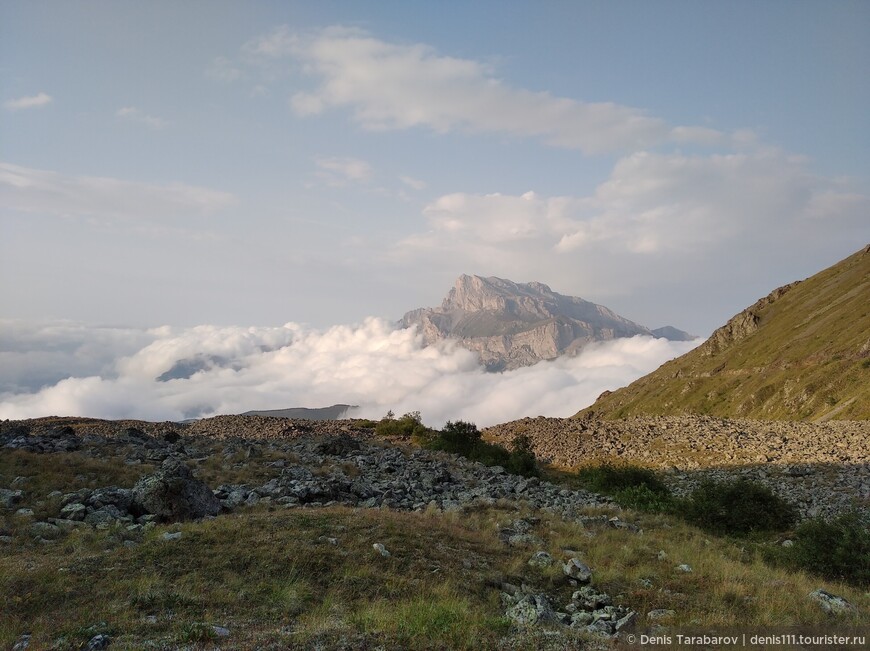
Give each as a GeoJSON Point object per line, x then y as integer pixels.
{"type": "Point", "coordinates": [513, 324]}
{"type": "Point", "coordinates": [800, 353]}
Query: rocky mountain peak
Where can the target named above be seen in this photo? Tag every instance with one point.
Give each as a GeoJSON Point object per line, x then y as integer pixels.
{"type": "Point", "coordinates": [518, 324]}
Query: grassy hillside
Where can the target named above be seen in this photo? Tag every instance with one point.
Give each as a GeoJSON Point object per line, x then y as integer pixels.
{"type": "Point", "coordinates": [308, 578]}
{"type": "Point", "coordinates": [803, 352]}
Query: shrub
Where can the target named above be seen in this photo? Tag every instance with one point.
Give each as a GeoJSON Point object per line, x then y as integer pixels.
{"type": "Point", "coordinates": [459, 437]}
{"type": "Point", "coordinates": [464, 438]}
{"type": "Point", "coordinates": [409, 426]}
{"type": "Point", "coordinates": [737, 507]}
{"type": "Point", "coordinates": [642, 498]}
{"type": "Point", "coordinates": [633, 487]}
{"type": "Point", "coordinates": [522, 459]}
{"type": "Point", "coordinates": [836, 550]}
{"type": "Point", "coordinates": [611, 479]}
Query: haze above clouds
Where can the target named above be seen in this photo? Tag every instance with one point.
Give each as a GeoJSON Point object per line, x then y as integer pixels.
{"type": "Point", "coordinates": [166, 166]}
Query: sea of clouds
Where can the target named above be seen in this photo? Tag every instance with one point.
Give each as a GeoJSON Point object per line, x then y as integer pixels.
{"type": "Point", "coordinates": [168, 373]}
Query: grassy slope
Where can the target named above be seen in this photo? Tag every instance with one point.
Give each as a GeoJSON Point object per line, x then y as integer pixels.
{"type": "Point", "coordinates": [276, 580]}
{"type": "Point", "coordinates": [808, 359]}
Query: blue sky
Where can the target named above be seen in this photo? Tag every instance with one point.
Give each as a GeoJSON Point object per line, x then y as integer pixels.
{"type": "Point", "coordinates": [250, 164]}
{"type": "Point", "coordinates": [279, 227]}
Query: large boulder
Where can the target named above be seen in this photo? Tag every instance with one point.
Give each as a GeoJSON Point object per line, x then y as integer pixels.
{"type": "Point", "coordinates": [172, 493]}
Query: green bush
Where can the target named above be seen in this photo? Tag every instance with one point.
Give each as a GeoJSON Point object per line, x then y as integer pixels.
{"type": "Point", "coordinates": [738, 508]}
{"type": "Point", "coordinates": [633, 487]}
{"type": "Point", "coordinates": [522, 459]}
{"type": "Point", "coordinates": [642, 498]}
{"type": "Point", "coordinates": [409, 426]}
{"type": "Point", "coordinates": [835, 550]}
{"type": "Point", "coordinates": [611, 479]}
{"type": "Point", "coordinates": [464, 438]}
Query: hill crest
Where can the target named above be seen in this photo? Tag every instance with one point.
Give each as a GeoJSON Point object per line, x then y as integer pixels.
{"type": "Point", "coordinates": [801, 352]}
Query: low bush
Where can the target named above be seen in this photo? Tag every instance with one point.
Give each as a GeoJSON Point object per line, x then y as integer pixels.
{"type": "Point", "coordinates": [610, 479]}
{"type": "Point", "coordinates": [633, 487]}
{"type": "Point", "coordinates": [737, 508]}
{"type": "Point", "coordinates": [464, 438]}
{"type": "Point", "coordinates": [409, 426]}
{"type": "Point", "coordinates": [642, 498]}
{"type": "Point", "coordinates": [839, 549]}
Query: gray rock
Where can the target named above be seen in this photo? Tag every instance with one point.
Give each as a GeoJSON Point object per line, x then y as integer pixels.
{"type": "Point", "coordinates": [74, 511]}
{"type": "Point", "coordinates": [831, 603]}
{"type": "Point", "coordinates": [685, 567]}
{"type": "Point", "coordinates": [220, 631]}
{"type": "Point", "coordinates": [581, 619]}
{"type": "Point", "coordinates": [10, 498]}
{"type": "Point", "coordinates": [106, 515]}
{"type": "Point", "coordinates": [577, 570]}
{"type": "Point", "coordinates": [660, 613]}
{"type": "Point", "coordinates": [626, 622]}
{"type": "Point", "coordinates": [601, 627]}
{"type": "Point", "coordinates": [172, 493]}
{"type": "Point", "coordinates": [121, 498]}
{"type": "Point", "coordinates": [23, 643]}
{"type": "Point", "coordinates": [24, 513]}
{"type": "Point", "coordinates": [531, 610]}
{"type": "Point", "coordinates": [541, 559]}
{"type": "Point", "coordinates": [588, 598]}
{"type": "Point", "coordinates": [170, 536]}
{"type": "Point", "coordinates": [98, 642]}
{"type": "Point", "coordinates": [45, 530]}
{"type": "Point", "coordinates": [380, 549]}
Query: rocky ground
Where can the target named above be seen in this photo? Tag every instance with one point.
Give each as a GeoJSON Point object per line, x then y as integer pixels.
{"type": "Point", "coordinates": [302, 462]}
{"type": "Point", "coordinates": [824, 468]}
{"type": "Point", "coordinates": [288, 465]}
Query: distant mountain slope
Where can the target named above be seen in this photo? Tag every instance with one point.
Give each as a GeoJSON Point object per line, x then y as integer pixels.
{"type": "Point", "coordinates": [518, 324]}
{"type": "Point", "coordinates": [335, 412]}
{"type": "Point", "coordinates": [802, 352]}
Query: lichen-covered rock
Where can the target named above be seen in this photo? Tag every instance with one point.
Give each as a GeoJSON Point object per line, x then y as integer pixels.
{"type": "Point", "coordinates": [831, 603]}
{"type": "Point", "coordinates": [173, 493]}
{"type": "Point", "coordinates": [531, 610]}
{"type": "Point", "coordinates": [541, 559]}
{"type": "Point", "coordinates": [577, 570]}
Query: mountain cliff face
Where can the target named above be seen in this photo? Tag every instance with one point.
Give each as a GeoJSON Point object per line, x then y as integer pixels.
{"type": "Point", "coordinates": [800, 353]}
{"type": "Point", "coordinates": [512, 324]}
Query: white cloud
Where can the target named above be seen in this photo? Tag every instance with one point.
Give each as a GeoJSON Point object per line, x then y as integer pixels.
{"type": "Point", "coordinates": [656, 215]}
{"type": "Point", "coordinates": [411, 182]}
{"type": "Point", "coordinates": [371, 365]}
{"type": "Point", "coordinates": [222, 69]}
{"type": "Point", "coordinates": [345, 169]}
{"type": "Point", "coordinates": [22, 103]}
{"type": "Point", "coordinates": [400, 86]}
{"type": "Point", "coordinates": [280, 42]}
{"type": "Point", "coordinates": [133, 114]}
{"type": "Point", "coordinates": [100, 198]}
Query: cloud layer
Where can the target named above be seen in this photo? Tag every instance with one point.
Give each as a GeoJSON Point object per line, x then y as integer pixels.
{"type": "Point", "coordinates": [67, 369]}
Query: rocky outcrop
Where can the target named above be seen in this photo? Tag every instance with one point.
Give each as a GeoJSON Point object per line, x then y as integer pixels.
{"type": "Point", "coordinates": [510, 325]}
{"type": "Point", "coordinates": [743, 324]}
{"type": "Point", "coordinates": [173, 494]}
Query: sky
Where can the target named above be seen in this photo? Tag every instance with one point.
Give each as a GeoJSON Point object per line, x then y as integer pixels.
{"type": "Point", "coordinates": [172, 174]}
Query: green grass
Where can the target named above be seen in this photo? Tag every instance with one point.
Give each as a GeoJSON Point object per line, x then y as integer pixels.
{"type": "Point", "coordinates": [272, 577]}
{"type": "Point", "coordinates": [804, 361]}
